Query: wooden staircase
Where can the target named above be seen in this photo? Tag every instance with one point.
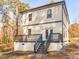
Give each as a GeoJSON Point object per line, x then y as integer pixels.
{"type": "Point", "coordinates": [38, 47]}
{"type": "Point", "coordinates": [42, 46]}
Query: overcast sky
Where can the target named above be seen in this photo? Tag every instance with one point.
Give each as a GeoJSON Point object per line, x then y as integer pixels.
{"type": "Point", "coordinates": [72, 7]}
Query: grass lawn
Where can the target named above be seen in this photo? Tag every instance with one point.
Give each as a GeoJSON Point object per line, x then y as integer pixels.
{"type": "Point", "coordinates": [15, 56]}
{"type": "Point", "coordinates": [20, 57]}
{"type": "Point", "coordinates": [1, 54]}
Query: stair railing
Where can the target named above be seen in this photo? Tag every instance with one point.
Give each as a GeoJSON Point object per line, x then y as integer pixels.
{"type": "Point", "coordinates": [47, 43]}
{"type": "Point", "coordinates": [38, 43]}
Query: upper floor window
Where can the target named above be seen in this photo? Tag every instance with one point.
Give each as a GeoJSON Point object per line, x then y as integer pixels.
{"type": "Point", "coordinates": [49, 13]}
{"type": "Point", "coordinates": [30, 17]}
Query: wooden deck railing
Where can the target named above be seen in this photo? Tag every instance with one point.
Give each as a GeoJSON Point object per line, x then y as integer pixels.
{"type": "Point", "coordinates": [56, 37]}
{"type": "Point", "coordinates": [27, 38]}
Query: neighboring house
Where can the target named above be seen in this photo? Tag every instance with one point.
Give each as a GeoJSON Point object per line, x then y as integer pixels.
{"type": "Point", "coordinates": [45, 28]}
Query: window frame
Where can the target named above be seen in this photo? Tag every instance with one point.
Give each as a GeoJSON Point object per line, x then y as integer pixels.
{"type": "Point", "coordinates": [49, 13]}
{"type": "Point", "coordinates": [30, 17]}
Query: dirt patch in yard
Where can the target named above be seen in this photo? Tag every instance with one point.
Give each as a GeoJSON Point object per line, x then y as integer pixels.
{"type": "Point", "coordinates": [52, 55]}
{"type": "Point", "coordinates": [68, 52]}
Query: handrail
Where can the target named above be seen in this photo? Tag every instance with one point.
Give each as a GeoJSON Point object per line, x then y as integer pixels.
{"type": "Point", "coordinates": [48, 39]}
{"type": "Point", "coordinates": [24, 38]}
{"type": "Point", "coordinates": [19, 38]}
{"type": "Point", "coordinates": [47, 42]}
{"type": "Point", "coordinates": [38, 46]}
{"type": "Point", "coordinates": [38, 43]}
{"type": "Point", "coordinates": [58, 38]}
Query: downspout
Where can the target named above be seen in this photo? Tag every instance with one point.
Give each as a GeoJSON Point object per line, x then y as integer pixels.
{"type": "Point", "coordinates": [62, 26]}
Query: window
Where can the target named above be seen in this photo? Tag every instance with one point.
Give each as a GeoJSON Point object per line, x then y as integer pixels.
{"type": "Point", "coordinates": [29, 31]}
{"type": "Point", "coordinates": [30, 17]}
{"type": "Point", "coordinates": [49, 13]}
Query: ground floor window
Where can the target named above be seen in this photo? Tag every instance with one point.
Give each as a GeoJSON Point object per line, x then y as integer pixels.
{"type": "Point", "coordinates": [29, 31]}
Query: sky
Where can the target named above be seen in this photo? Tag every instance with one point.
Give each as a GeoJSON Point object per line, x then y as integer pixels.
{"type": "Point", "coordinates": [72, 7]}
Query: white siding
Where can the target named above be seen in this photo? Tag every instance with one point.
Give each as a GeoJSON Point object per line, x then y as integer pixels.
{"type": "Point", "coordinates": [65, 27]}
{"type": "Point", "coordinates": [40, 16]}
{"type": "Point", "coordinates": [39, 29]}
{"type": "Point", "coordinates": [18, 46]}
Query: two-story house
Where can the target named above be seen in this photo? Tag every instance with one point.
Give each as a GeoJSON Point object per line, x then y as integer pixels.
{"type": "Point", "coordinates": [45, 28]}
